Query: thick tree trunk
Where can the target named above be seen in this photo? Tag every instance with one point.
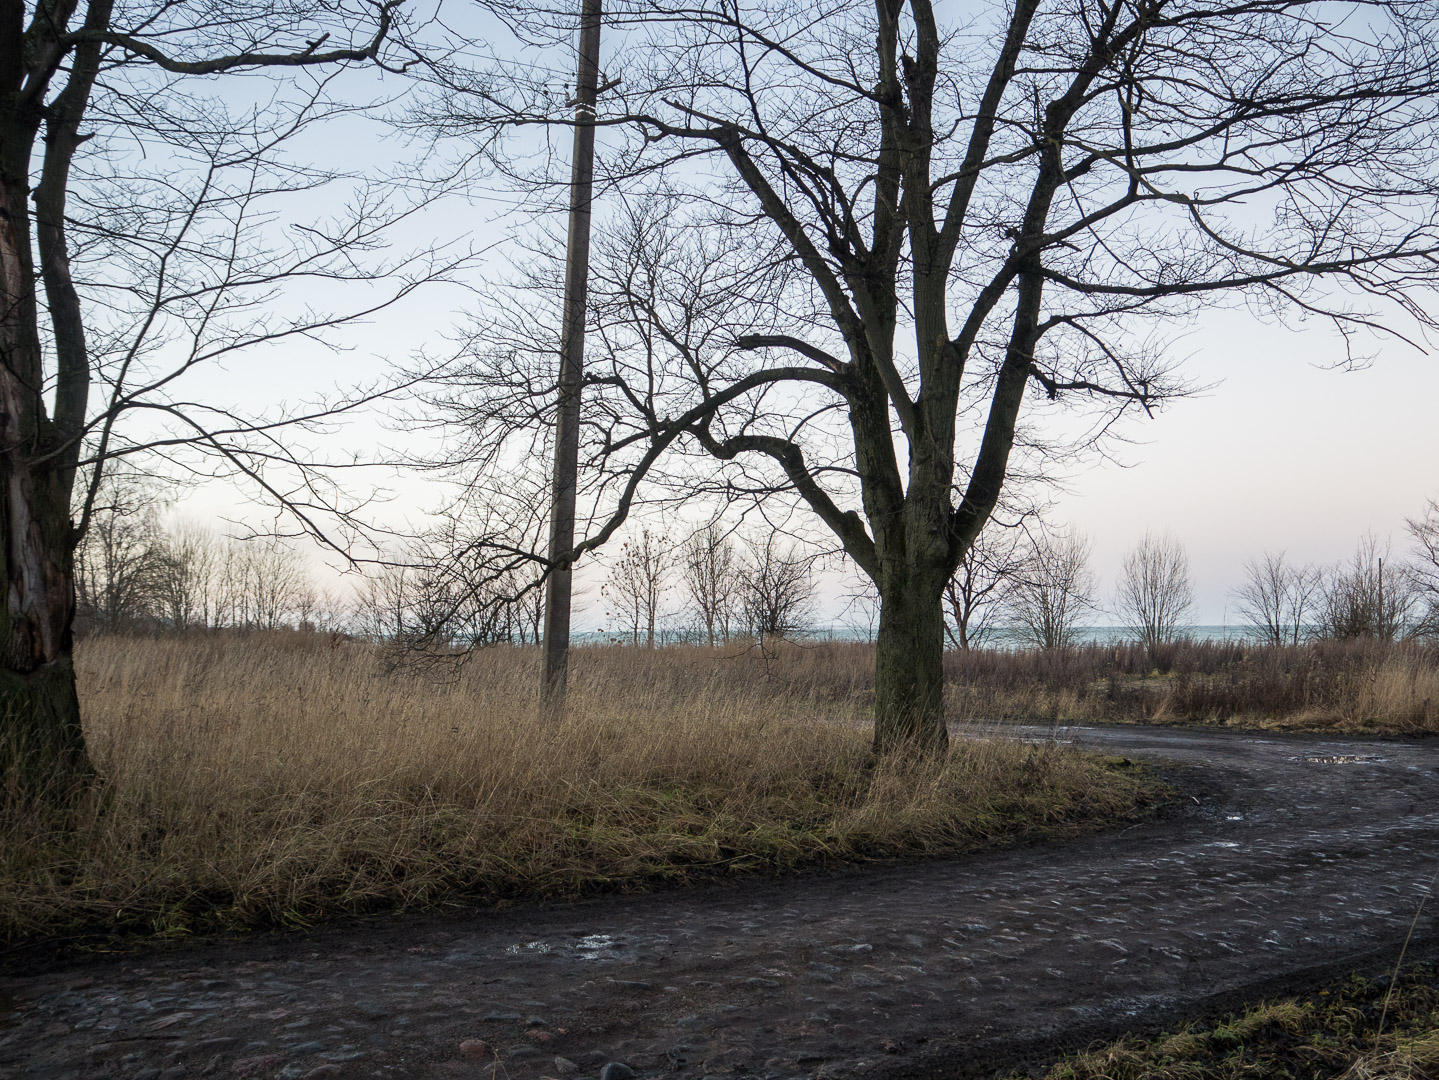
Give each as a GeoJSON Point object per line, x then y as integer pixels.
{"type": "Point", "coordinates": [42, 747]}
{"type": "Point", "coordinates": [909, 669]}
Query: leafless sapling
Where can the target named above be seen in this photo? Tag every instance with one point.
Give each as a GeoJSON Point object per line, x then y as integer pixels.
{"type": "Point", "coordinates": [1277, 598]}
{"type": "Point", "coordinates": [711, 576]}
{"type": "Point", "coordinates": [1054, 590]}
{"type": "Point", "coordinates": [634, 591]}
{"type": "Point", "coordinates": [1155, 591]}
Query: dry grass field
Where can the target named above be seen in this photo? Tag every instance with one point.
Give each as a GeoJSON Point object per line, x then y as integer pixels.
{"type": "Point", "coordinates": [264, 780]}
{"type": "Point", "coordinates": [1357, 686]}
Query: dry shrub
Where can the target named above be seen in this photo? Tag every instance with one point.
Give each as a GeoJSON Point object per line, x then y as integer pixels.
{"type": "Point", "coordinates": [275, 779]}
{"type": "Point", "coordinates": [1350, 685]}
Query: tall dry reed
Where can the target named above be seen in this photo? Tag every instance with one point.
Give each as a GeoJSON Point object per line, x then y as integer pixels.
{"type": "Point", "coordinates": [1337, 685]}
{"type": "Point", "coordinates": [277, 779]}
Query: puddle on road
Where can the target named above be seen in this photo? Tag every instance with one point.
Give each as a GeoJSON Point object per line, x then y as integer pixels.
{"type": "Point", "coordinates": [595, 946]}
{"type": "Point", "coordinates": [529, 946]}
{"type": "Point", "coordinates": [1342, 759]}
{"type": "Point", "coordinates": [589, 947]}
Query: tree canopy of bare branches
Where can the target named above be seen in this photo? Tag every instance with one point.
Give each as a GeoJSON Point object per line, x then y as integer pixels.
{"type": "Point", "coordinates": [1277, 598]}
{"type": "Point", "coordinates": [864, 255]}
{"type": "Point", "coordinates": [1053, 591]}
{"type": "Point", "coordinates": [1155, 590]}
{"type": "Point", "coordinates": [1371, 596]}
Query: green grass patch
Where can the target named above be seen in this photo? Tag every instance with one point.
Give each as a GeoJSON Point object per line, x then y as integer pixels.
{"type": "Point", "coordinates": [1353, 1029]}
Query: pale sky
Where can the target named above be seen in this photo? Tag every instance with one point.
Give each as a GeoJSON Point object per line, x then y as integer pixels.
{"type": "Point", "coordinates": [1282, 453]}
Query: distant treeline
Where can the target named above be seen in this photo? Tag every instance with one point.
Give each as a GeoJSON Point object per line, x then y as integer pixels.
{"type": "Point", "coordinates": [1032, 586]}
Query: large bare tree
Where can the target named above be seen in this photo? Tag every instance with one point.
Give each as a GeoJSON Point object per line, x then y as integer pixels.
{"type": "Point", "coordinates": [137, 242]}
{"type": "Point", "coordinates": [878, 246]}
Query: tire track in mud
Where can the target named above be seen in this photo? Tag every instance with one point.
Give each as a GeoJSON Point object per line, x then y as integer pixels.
{"type": "Point", "coordinates": [1295, 857]}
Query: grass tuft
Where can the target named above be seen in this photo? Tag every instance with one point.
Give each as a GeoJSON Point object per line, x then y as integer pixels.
{"type": "Point", "coordinates": [1333, 1034]}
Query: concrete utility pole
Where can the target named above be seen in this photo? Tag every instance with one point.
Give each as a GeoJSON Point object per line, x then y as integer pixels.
{"type": "Point", "coordinates": [572, 362]}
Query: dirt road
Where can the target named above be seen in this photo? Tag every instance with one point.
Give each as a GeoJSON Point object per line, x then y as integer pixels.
{"type": "Point", "coordinates": [1293, 858]}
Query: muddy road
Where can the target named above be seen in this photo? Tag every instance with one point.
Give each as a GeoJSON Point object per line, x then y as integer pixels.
{"type": "Point", "coordinates": [1294, 858]}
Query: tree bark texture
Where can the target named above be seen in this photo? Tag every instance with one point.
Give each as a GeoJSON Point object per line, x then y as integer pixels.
{"type": "Point", "coordinates": [909, 671]}
{"type": "Point", "coordinates": [41, 741]}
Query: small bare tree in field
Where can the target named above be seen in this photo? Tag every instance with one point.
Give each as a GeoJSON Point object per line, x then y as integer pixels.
{"type": "Point", "coordinates": [1156, 592]}
{"type": "Point", "coordinates": [188, 573]}
{"type": "Point", "coordinates": [119, 565]}
{"type": "Point", "coordinates": [1277, 597]}
{"type": "Point", "coordinates": [979, 589]}
{"type": "Point", "coordinates": [426, 616]}
{"type": "Point", "coordinates": [1424, 533]}
{"type": "Point", "coordinates": [275, 584]}
{"type": "Point", "coordinates": [711, 580]}
{"type": "Point", "coordinates": [777, 590]}
{"type": "Point", "coordinates": [1053, 592]}
{"type": "Point", "coordinates": [635, 589]}
{"type": "Point", "coordinates": [1372, 596]}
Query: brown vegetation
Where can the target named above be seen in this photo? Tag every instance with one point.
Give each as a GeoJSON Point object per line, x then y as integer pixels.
{"type": "Point", "coordinates": [1357, 685]}
{"type": "Point", "coordinates": [281, 778]}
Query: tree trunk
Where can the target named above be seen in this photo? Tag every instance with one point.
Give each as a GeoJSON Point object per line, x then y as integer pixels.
{"type": "Point", "coordinates": [42, 746]}
{"type": "Point", "coordinates": [909, 669]}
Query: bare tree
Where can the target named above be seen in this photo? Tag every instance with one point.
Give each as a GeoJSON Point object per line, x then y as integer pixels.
{"type": "Point", "coordinates": [978, 591]}
{"type": "Point", "coordinates": [277, 580]}
{"type": "Point", "coordinates": [1424, 534]}
{"type": "Point", "coordinates": [1277, 597]}
{"type": "Point", "coordinates": [190, 559]}
{"type": "Point", "coordinates": [1053, 592]}
{"type": "Point", "coordinates": [120, 564]}
{"type": "Point", "coordinates": [138, 241]}
{"type": "Point", "coordinates": [1155, 591]}
{"type": "Point", "coordinates": [711, 580]}
{"type": "Point", "coordinates": [776, 589]}
{"type": "Point", "coordinates": [1373, 596]}
{"type": "Point", "coordinates": [635, 588]}
{"type": "Point", "coordinates": [878, 241]}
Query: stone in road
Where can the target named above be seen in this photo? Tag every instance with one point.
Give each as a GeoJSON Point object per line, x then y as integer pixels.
{"type": "Point", "coordinates": [1295, 855]}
